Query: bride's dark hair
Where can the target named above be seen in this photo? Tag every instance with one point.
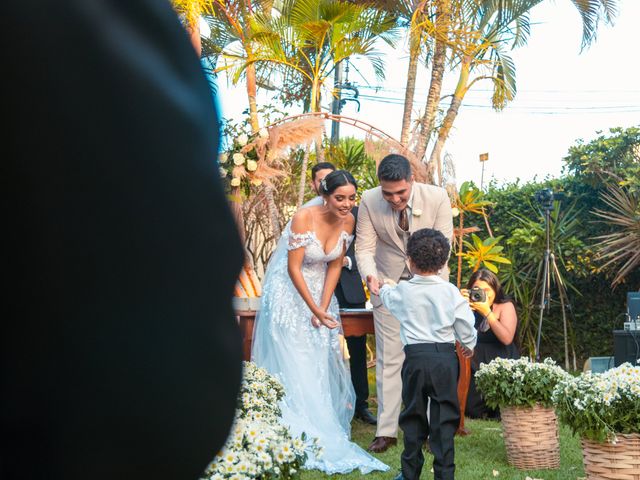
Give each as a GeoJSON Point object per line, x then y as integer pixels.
{"type": "Point", "coordinates": [336, 179]}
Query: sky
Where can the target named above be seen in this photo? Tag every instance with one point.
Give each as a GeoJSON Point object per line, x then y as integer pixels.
{"type": "Point", "coordinates": [563, 95]}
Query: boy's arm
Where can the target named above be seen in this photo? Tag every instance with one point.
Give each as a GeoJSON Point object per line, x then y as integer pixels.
{"type": "Point", "coordinates": [389, 296]}
{"type": "Point", "coordinates": [463, 324]}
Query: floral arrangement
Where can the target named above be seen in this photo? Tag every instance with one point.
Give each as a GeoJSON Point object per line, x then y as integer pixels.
{"type": "Point", "coordinates": [259, 446]}
{"type": "Point", "coordinates": [251, 160]}
{"type": "Point", "coordinates": [239, 164]}
{"type": "Point", "coordinates": [518, 383]}
{"type": "Point", "coordinates": [597, 406]}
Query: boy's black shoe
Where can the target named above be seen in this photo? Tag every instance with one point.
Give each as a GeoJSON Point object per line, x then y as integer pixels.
{"type": "Point", "coordinates": [399, 477]}
{"type": "Point", "coordinates": [366, 416]}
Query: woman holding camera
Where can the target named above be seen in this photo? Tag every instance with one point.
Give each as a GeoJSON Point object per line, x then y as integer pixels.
{"type": "Point", "coordinates": [496, 322]}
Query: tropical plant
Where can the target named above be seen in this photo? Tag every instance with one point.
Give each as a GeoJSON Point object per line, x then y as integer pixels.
{"type": "Point", "coordinates": [310, 37]}
{"type": "Point", "coordinates": [482, 34]}
{"type": "Point", "coordinates": [566, 254]}
{"type": "Point", "coordinates": [468, 200]}
{"type": "Point", "coordinates": [406, 10]}
{"type": "Point", "coordinates": [484, 253]}
{"type": "Point", "coordinates": [477, 33]}
{"type": "Point", "coordinates": [620, 249]}
{"type": "Point", "coordinates": [349, 154]}
{"type": "Point", "coordinates": [610, 158]}
{"type": "Point", "coordinates": [436, 23]}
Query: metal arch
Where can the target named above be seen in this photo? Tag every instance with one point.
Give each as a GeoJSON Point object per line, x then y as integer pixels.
{"type": "Point", "coordinates": [365, 127]}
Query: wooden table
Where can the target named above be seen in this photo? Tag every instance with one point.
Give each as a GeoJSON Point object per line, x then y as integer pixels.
{"type": "Point", "coordinates": [355, 322]}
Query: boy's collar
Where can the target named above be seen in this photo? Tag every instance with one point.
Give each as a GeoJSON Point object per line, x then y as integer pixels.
{"type": "Point", "coordinates": [426, 278]}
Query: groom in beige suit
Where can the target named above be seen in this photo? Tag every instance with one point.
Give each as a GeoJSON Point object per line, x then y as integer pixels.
{"type": "Point", "coordinates": [387, 217]}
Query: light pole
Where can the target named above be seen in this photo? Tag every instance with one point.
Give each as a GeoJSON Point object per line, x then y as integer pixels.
{"type": "Point", "coordinates": [483, 158]}
{"type": "Point", "coordinates": [336, 104]}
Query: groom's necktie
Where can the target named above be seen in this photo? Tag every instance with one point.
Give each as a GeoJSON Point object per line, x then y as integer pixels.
{"type": "Point", "coordinates": [403, 220]}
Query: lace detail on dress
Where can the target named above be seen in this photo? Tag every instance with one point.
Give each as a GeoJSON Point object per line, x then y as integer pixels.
{"type": "Point", "coordinates": [319, 397]}
{"type": "Point", "coordinates": [299, 240]}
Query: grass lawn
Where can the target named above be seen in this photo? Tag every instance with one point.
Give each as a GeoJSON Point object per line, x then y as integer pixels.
{"type": "Point", "coordinates": [477, 455]}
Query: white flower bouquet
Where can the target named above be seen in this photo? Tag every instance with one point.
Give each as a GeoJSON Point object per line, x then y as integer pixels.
{"type": "Point", "coordinates": [599, 406]}
{"type": "Point", "coordinates": [260, 394]}
{"type": "Point", "coordinates": [518, 383]}
{"type": "Point", "coordinates": [259, 446]}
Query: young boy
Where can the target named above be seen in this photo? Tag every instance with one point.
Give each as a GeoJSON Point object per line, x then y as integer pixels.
{"type": "Point", "coordinates": [432, 315]}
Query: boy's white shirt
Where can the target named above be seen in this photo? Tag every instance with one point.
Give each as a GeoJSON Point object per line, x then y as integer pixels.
{"type": "Point", "coordinates": [430, 310]}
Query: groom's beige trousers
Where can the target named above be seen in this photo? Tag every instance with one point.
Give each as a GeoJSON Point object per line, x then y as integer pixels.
{"type": "Point", "coordinates": [389, 358]}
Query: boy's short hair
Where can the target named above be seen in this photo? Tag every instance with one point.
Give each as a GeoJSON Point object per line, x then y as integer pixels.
{"type": "Point", "coordinates": [428, 249]}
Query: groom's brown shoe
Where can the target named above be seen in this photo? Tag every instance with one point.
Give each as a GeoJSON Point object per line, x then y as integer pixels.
{"type": "Point", "coordinates": [381, 444]}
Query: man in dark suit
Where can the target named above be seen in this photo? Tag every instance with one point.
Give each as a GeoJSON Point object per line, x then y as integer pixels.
{"type": "Point", "coordinates": [350, 294]}
{"type": "Point", "coordinates": [121, 358]}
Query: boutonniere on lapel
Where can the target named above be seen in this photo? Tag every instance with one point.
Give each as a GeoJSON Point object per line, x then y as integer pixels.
{"type": "Point", "coordinates": [416, 212]}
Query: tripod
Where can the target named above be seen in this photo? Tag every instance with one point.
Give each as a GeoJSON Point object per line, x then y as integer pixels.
{"type": "Point", "coordinates": [549, 271]}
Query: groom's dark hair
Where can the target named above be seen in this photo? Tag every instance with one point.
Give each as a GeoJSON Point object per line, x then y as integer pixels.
{"type": "Point", "coordinates": [321, 166]}
{"type": "Point", "coordinates": [394, 168]}
{"type": "Point", "coordinates": [428, 249]}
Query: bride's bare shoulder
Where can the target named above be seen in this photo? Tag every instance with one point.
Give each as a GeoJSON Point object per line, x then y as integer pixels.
{"type": "Point", "coordinates": [302, 220]}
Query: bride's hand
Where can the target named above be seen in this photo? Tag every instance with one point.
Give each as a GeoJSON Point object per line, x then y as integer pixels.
{"type": "Point", "coordinates": [315, 322]}
{"type": "Point", "coordinates": [324, 319]}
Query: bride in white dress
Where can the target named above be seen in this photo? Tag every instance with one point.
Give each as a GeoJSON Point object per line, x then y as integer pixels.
{"type": "Point", "coordinates": [297, 332]}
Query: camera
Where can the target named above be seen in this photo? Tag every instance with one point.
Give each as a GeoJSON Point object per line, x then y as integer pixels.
{"type": "Point", "coordinates": [546, 197]}
{"type": "Point", "coordinates": [476, 294]}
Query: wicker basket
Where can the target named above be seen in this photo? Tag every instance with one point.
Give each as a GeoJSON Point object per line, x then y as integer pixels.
{"type": "Point", "coordinates": [613, 461]}
{"type": "Point", "coordinates": [531, 437]}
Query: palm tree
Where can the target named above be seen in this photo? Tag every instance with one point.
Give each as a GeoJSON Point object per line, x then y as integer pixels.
{"type": "Point", "coordinates": [620, 248]}
{"type": "Point", "coordinates": [438, 28]}
{"type": "Point", "coordinates": [310, 37]}
{"type": "Point", "coordinates": [482, 34]}
{"type": "Point", "coordinates": [232, 40]}
{"type": "Point", "coordinates": [475, 31]}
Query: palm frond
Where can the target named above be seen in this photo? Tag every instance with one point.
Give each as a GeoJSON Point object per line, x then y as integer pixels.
{"type": "Point", "coordinates": [621, 248]}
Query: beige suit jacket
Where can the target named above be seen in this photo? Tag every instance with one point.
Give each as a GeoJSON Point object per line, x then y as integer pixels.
{"type": "Point", "coordinates": [379, 250]}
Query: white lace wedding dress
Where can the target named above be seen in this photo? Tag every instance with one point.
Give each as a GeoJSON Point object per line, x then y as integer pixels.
{"type": "Point", "coordinates": [308, 361]}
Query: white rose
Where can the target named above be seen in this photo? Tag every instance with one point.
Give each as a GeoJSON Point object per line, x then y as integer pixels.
{"type": "Point", "coordinates": [238, 159]}
{"type": "Point", "coordinates": [223, 158]}
{"type": "Point", "coordinates": [252, 165]}
{"type": "Point", "coordinates": [235, 182]}
{"type": "Point", "coordinates": [416, 212]}
{"type": "Point", "coordinates": [263, 133]}
{"type": "Point", "coordinates": [455, 212]}
{"type": "Point", "coordinates": [223, 172]}
{"type": "Point", "coordinates": [242, 140]}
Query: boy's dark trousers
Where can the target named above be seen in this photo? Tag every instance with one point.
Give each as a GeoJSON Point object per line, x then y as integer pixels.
{"type": "Point", "coordinates": [430, 370]}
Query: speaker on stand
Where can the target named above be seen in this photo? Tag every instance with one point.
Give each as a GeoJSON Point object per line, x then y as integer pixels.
{"type": "Point", "coordinates": [626, 342]}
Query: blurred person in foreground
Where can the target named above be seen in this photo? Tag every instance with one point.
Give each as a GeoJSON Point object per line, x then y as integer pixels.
{"type": "Point", "coordinates": [121, 357]}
